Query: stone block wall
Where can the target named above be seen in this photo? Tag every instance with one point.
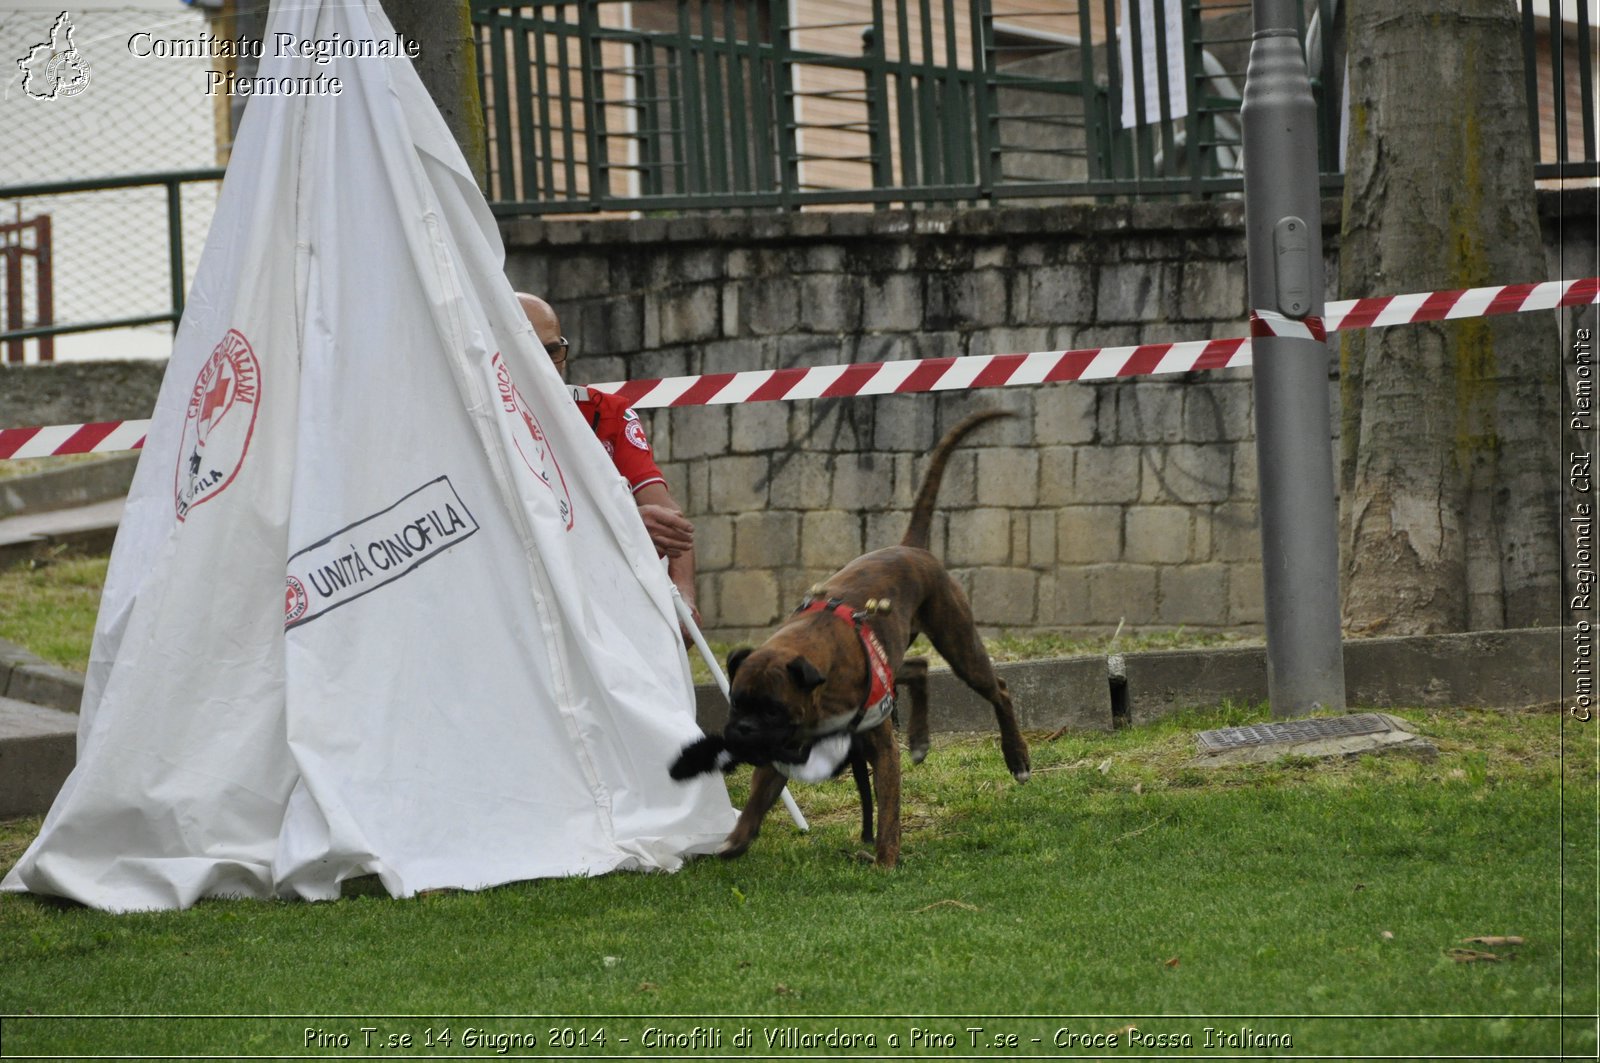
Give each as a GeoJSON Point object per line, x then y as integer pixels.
{"type": "Point", "coordinates": [1122, 503]}
{"type": "Point", "coordinates": [1129, 503]}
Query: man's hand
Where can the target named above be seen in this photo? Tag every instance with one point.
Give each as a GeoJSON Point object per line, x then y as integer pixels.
{"type": "Point", "coordinates": [670, 531]}
{"type": "Point", "coordinates": [686, 592]}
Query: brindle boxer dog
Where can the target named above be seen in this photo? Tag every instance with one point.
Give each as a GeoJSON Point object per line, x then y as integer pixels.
{"type": "Point", "coordinates": [818, 693]}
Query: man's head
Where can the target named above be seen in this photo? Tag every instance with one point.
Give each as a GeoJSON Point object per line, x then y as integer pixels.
{"type": "Point", "coordinates": [546, 326]}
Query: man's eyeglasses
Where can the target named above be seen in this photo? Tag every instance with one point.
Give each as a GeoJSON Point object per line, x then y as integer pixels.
{"type": "Point", "coordinates": [557, 349]}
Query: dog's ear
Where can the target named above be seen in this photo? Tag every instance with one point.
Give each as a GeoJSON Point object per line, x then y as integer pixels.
{"type": "Point", "coordinates": [805, 675]}
{"type": "Point", "coordinates": [736, 658]}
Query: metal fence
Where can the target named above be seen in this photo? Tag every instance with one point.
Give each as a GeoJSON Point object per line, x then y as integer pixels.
{"type": "Point", "coordinates": [100, 254]}
{"type": "Point", "coordinates": [601, 105]}
{"type": "Point", "coordinates": [597, 105]}
{"type": "Point", "coordinates": [105, 197]}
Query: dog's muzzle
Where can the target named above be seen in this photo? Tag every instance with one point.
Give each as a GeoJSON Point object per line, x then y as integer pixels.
{"type": "Point", "coordinates": [757, 741]}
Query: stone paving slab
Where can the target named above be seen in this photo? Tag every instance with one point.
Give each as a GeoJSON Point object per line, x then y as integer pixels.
{"type": "Point", "coordinates": [1321, 737]}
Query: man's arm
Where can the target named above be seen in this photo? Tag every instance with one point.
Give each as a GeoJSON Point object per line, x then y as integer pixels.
{"type": "Point", "coordinates": [669, 529]}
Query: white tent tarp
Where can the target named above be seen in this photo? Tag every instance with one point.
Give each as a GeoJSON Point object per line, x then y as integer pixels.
{"type": "Point", "coordinates": [379, 602]}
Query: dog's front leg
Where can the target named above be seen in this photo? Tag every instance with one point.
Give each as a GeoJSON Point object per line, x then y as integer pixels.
{"type": "Point", "coordinates": [765, 786]}
{"type": "Point", "coordinates": [858, 768]}
{"type": "Point", "coordinates": [886, 777]}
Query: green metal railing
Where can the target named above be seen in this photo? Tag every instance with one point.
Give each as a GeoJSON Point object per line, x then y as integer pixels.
{"type": "Point", "coordinates": [726, 104]}
{"type": "Point", "coordinates": [39, 198]}
{"type": "Point", "coordinates": [718, 104]}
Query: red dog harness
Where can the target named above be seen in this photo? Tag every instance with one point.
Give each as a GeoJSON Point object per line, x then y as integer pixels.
{"type": "Point", "coordinates": [880, 677]}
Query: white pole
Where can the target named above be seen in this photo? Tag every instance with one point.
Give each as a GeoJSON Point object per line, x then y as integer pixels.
{"type": "Point", "coordinates": [693, 629]}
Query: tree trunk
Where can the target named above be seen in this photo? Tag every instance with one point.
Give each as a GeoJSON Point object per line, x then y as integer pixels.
{"type": "Point", "coordinates": [448, 65]}
{"type": "Point", "coordinates": [1449, 439]}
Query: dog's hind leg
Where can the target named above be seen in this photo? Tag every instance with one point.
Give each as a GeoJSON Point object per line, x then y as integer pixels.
{"type": "Point", "coordinates": [765, 786]}
{"type": "Point", "coordinates": [858, 768]}
{"type": "Point", "coordinates": [913, 678]}
{"type": "Point", "coordinates": [946, 619]}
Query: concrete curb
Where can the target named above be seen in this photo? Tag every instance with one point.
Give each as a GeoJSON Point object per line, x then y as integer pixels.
{"type": "Point", "coordinates": [1478, 669]}
{"type": "Point", "coordinates": [1048, 695]}
{"type": "Point", "coordinates": [77, 484]}
{"type": "Point", "coordinates": [1481, 669]}
{"type": "Point", "coordinates": [1490, 669]}
{"type": "Point", "coordinates": [87, 529]}
{"type": "Point", "coordinates": [1162, 682]}
{"type": "Point", "coordinates": [32, 770]}
{"type": "Point", "coordinates": [24, 677]}
{"type": "Point", "coordinates": [37, 750]}
{"type": "Point", "coordinates": [76, 506]}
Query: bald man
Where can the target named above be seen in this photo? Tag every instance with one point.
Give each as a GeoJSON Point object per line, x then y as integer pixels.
{"type": "Point", "coordinates": [620, 430]}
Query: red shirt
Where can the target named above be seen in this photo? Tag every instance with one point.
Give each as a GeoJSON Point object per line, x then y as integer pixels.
{"type": "Point", "coordinates": [621, 432]}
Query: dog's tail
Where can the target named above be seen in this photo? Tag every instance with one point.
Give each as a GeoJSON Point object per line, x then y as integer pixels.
{"type": "Point", "coordinates": [919, 530]}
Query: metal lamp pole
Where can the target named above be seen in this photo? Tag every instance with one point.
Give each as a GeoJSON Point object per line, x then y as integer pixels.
{"type": "Point", "coordinates": [1299, 521]}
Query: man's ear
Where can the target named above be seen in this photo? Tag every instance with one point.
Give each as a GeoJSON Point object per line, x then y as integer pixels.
{"type": "Point", "coordinates": [736, 658]}
{"type": "Point", "coordinates": [805, 675]}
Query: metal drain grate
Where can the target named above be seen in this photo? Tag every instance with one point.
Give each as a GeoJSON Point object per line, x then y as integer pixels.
{"type": "Point", "coordinates": [1292, 731]}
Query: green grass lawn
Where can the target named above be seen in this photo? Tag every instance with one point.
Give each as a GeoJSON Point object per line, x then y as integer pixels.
{"type": "Point", "coordinates": [50, 609]}
{"type": "Point", "coordinates": [1122, 886]}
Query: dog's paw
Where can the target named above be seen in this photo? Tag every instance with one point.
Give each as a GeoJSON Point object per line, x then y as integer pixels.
{"type": "Point", "coordinates": [1018, 762]}
{"type": "Point", "coordinates": [732, 849]}
{"type": "Point", "coordinates": [699, 757]}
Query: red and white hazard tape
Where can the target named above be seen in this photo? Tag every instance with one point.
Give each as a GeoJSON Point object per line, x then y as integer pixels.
{"type": "Point", "coordinates": [102, 437]}
{"type": "Point", "coordinates": [1100, 363]}
{"type": "Point", "coordinates": [1349, 314]}
{"type": "Point", "coordinates": [931, 374]}
{"type": "Point", "coordinates": [960, 374]}
{"type": "Point", "coordinates": [1471, 302]}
